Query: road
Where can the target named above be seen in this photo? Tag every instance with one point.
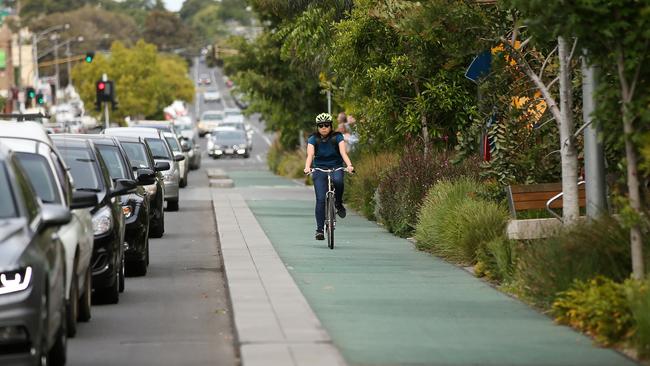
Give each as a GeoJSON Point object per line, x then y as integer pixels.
{"type": "Point", "coordinates": [179, 314]}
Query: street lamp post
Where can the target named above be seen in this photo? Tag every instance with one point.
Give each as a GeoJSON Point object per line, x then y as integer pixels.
{"type": "Point", "coordinates": [37, 37]}
{"type": "Point", "coordinates": [68, 55]}
{"type": "Point", "coordinates": [55, 38]}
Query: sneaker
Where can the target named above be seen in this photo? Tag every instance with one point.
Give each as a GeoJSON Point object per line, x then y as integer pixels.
{"type": "Point", "coordinates": [320, 235]}
{"type": "Point", "coordinates": [340, 210]}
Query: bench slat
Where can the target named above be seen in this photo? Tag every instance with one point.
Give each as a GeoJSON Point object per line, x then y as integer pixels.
{"type": "Point", "coordinates": [532, 205]}
{"type": "Point", "coordinates": [539, 196]}
{"type": "Point", "coordinates": [541, 187]}
{"type": "Point", "coordinates": [534, 196]}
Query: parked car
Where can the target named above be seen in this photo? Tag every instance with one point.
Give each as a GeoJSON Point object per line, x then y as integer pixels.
{"type": "Point", "coordinates": [186, 131]}
{"type": "Point", "coordinates": [52, 182]}
{"type": "Point", "coordinates": [161, 153]}
{"type": "Point", "coordinates": [179, 150]}
{"type": "Point", "coordinates": [227, 141]}
{"type": "Point", "coordinates": [211, 95]}
{"type": "Point", "coordinates": [91, 174]}
{"type": "Point", "coordinates": [209, 120]}
{"type": "Point", "coordinates": [141, 157]}
{"type": "Point", "coordinates": [32, 268]}
{"type": "Point", "coordinates": [135, 205]}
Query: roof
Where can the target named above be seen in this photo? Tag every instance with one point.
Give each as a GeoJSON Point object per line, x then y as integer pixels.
{"type": "Point", "coordinates": [97, 139]}
{"type": "Point", "coordinates": [132, 131]}
{"type": "Point", "coordinates": [129, 139]}
{"type": "Point", "coordinates": [62, 141]}
{"type": "Point", "coordinates": [25, 130]}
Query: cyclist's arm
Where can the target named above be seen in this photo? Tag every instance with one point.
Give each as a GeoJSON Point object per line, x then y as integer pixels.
{"type": "Point", "coordinates": [310, 158]}
{"type": "Point", "coordinates": [344, 154]}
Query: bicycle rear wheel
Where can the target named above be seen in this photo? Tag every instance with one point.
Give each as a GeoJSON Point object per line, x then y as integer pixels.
{"type": "Point", "coordinates": [330, 217]}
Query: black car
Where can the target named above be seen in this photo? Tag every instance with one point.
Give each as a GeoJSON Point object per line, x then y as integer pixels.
{"type": "Point", "coordinates": [227, 141]}
{"type": "Point", "coordinates": [135, 206]}
{"type": "Point", "coordinates": [91, 174]}
{"type": "Point", "coordinates": [141, 157]}
{"type": "Point", "coordinates": [32, 272]}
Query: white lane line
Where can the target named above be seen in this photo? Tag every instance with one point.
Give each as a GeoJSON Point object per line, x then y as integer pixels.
{"type": "Point", "coordinates": [258, 157]}
{"type": "Point", "coordinates": [262, 135]}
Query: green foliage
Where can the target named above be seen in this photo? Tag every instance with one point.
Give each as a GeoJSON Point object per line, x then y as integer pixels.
{"type": "Point", "coordinates": [639, 294]}
{"type": "Point", "coordinates": [455, 222]}
{"type": "Point", "coordinates": [145, 81]}
{"type": "Point", "coordinates": [403, 188]}
{"type": "Point", "coordinates": [598, 307]}
{"type": "Point", "coordinates": [496, 259]}
{"type": "Point", "coordinates": [287, 163]}
{"type": "Point", "coordinates": [360, 189]}
{"type": "Point", "coordinates": [548, 266]}
{"type": "Point", "coordinates": [166, 30]}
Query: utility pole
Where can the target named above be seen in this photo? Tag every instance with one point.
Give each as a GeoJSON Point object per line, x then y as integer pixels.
{"type": "Point", "coordinates": [56, 63]}
{"type": "Point", "coordinates": [106, 117]}
{"type": "Point", "coordinates": [595, 187]}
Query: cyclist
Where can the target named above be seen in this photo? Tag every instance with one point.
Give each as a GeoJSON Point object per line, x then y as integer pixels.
{"type": "Point", "coordinates": [326, 150]}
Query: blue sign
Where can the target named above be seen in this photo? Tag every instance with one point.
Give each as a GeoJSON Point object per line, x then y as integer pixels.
{"type": "Point", "coordinates": [479, 67]}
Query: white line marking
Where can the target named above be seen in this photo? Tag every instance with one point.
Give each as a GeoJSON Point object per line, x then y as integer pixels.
{"type": "Point", "coordinates": [258, 157]}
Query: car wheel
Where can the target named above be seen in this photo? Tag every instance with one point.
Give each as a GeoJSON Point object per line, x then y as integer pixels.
{"type": "Point", "coordinates": [57, 354]}
{"type": "Point", "coordinates": [158, 226]}
{"type": "Point", "coordinates": [111, 294]}
{"type": "Point", "coordinates": [139, 267]}
{"type": "Point", "coordinates": [122, 273]}
{"type": "Point", "coordinates": [86, 299]}
{"type": "Point", "coordinates": [183, 182]}
{"type": "Point", "coordinates": [172, 205]}
{"type": "Point", "coordinates": [72, 306]}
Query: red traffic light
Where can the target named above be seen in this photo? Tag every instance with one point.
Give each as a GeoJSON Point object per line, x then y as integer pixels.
{"type": "Point", "coordinates": [101, 85]}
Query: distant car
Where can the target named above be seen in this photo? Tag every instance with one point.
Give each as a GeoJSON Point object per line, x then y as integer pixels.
{"type": "Point", "coordinates": [227, 141]}
{"type": "Point", "coordinates": [211, 96]}
{"type": "Point", "coordinates": [204, 79]}
{"type": "Point", "coordinates": [209, 120]}
{"type": "Point", "coordinates": [162, 154]}
{"type": "Point", "coordinates": [91, 174]}
{"type": "Point", "coordinates": [52, 183]}
{"type": "Point", "coordinates": [240, 100]}
{"type": "Point", "coordinates": [177, 150]}
{"type": "Point", "coordinates": [32, 268]}
{"type": "Point", "coordinates": [241, 126]}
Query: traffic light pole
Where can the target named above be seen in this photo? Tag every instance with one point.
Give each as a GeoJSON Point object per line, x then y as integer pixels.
{"type": "Point", "coordinates": [106, 116]}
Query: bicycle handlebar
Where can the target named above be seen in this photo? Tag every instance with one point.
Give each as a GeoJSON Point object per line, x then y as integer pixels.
{"type": "Point", "coordinates": [329, 170]}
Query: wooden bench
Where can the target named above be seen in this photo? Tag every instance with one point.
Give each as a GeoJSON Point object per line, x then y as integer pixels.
{"type": "Point", "coordinates": [527, 197]}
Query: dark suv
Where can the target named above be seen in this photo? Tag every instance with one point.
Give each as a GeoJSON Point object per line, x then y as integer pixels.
{"type": "Point", "coordinates": [135, 206]}
{"type": "Point", "coordinates": [32, 268]}
{"type": "Point", "coordinates": [91, 174]}
{"type": "Point", "coordinates": [141, 157]}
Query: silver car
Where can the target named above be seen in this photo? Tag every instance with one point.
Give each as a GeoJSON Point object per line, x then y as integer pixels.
{"type": "Point", "coordinates": [161, 153]}
{"type": "Point", "coordinates": [183, 165]}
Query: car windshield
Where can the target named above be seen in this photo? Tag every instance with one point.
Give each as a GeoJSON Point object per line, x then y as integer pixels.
{"type": "Point", "coordinates": [158, 149]}
{"type": "Point", "coordinates": [239, 126]}
{"type": "Point", "coordinates": [228, 135]}
{"type": "Point", "coordinates": [40, 176]}
{"type": "Point", "coordinates": [233, 113]}
{"type": "Point", "coordinates": [114, 163]}
{"type": "Point", "coordinates": [173, 144]}
{"type": "Point", "coordinates": [7, 203]}
{"type": "Point", "coordinates": [212, 117]}
{"type": "Point", "coordinates": [137, 154]}
{"type": "Point", "coordinates": [83, 168]}
{"type": "Point", "coordinates": [183, 127]}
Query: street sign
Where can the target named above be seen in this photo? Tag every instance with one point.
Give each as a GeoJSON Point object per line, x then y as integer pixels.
{"type": "Point", "coordinates": [479, 67]}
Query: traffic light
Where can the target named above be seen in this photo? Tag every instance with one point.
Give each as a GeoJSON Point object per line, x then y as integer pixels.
{"type": "Point", "coordinates": [30, 94]}
{"type": "Point", "coordinates": [90, 55]}
{"type": "Point", "coordinates": [40, 99]}
{"type": "Point", "coordinates": [105, 92]}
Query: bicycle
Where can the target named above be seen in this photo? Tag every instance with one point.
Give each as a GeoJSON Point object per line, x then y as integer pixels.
{"type": "Point", "coordinates": [330, 205]}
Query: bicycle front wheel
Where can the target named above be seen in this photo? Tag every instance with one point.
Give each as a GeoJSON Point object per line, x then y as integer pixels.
{"type": "Point", "coordinates": [330, 217]}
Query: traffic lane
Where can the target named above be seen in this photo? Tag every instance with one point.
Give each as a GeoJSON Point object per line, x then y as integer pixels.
{"type": "Point", "coordinates": [176, 315]}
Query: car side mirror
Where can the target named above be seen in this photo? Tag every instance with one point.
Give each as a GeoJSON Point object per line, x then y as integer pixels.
{"type": "Point", "coordinates": [161, 166]}
{"type": "Point", "coordinates": [185, 146]}
{"type": "Point", "coordinates": [146, 177]}
{"type": "Point", "coordinates": [179, 157]}
{"type": "Point", "coordinates": [81, 199]}
{"type": "Point", "coordinates": [54, 215]}
{"type": "Point", "coordinates": [208, 135]}
{"type": "Point", "coordinates": [123, 186]}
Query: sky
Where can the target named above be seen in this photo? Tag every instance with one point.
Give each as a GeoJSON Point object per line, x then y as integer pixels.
{"type": "Point", "coordinates": [173, 5]}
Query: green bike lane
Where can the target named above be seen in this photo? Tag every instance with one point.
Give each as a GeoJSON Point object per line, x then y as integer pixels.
{"type": "Point", "coordinates": [385, 303]}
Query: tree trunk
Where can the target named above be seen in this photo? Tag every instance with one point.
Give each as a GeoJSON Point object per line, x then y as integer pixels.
{"type": "Point", "coordinates": [570, 203]}
{"type": "Point", "coordinates": [634, 194]}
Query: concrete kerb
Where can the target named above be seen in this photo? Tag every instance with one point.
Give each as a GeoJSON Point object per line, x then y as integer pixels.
{"type": "Point", "coordinates": [274, 323]}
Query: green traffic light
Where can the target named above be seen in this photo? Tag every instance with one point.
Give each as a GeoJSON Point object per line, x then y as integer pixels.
{"type": "Point", "coordinates": [32, 94]}
{"type": "Point", "coordinates": [89, 59]}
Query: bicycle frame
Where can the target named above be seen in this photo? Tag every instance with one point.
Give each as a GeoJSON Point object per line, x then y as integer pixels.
{"type": "Point", "coordinates": [330, 210]}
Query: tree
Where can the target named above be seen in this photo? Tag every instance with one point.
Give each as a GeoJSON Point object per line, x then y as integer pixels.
{"type": "Point", "coordinates": [145, 80]}
{"type": "Point", "coordinates": [192, 7]}
{"type": "Point", "coordinates": [30, 9]}
{"type": "Point", "coordinates": [615, 33]}
{"type": "Point", "coordinates": [166, 30]}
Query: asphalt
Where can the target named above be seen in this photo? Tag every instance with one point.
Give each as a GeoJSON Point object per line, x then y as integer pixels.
{"type": "Point", "coordinates": [374, 298]}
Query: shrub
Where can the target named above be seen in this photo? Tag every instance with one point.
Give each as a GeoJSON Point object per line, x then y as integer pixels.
{"type": "Point", "coordinates": [291, 164]}
{"type": "Point", "coordinates": [598, 307]}
{"type": "Point", "coordinates": [639, 295]}
{"type": "Point", "coordinates": [360, 189]}
{"type": "Point", "coordinates": [455, 222]}
{"type": "Point", "coordinates": [496, 259]}
{"type": "Point", "coordinates": [403, 188]}
{"type": "Point", "coordinates": [274, 156]}
{"type": "Point", "coordinates": [549, 266]}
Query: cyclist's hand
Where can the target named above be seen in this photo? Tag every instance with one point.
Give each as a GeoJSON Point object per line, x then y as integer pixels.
{"type": "Point", "coordinates": [307, 170]}
{"type": "Point", "coordinates": [350, 169]}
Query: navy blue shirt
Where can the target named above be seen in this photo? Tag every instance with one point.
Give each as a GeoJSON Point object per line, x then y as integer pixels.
{"type": "Point", "coordinates": [327, 156]}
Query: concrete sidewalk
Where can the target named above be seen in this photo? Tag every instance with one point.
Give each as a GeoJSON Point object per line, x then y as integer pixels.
{"type": "Point", "coordinates": [374, 297]}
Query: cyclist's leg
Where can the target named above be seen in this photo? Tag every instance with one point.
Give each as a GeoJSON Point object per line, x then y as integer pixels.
{"type": "Point", "coordinates": [337, 178]}
{"type": "Point", "coordinates": [320, 188]}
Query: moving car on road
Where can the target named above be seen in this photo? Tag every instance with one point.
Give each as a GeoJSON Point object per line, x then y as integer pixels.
{"type": "Point", "coordinates": [227, 141]}
{"type": "Point", "coordinates": [209, 120]}
{"type": "Point", "coordinates": [32, 268]}
{"type": "Point", "coordinates": [211, 95]}
{"type": "Point", "coordinates": [52, 182]}
{"type": "Point", "coordinates": [204, 79]}
{"type": "Point", "coordinates": [91, 174]}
